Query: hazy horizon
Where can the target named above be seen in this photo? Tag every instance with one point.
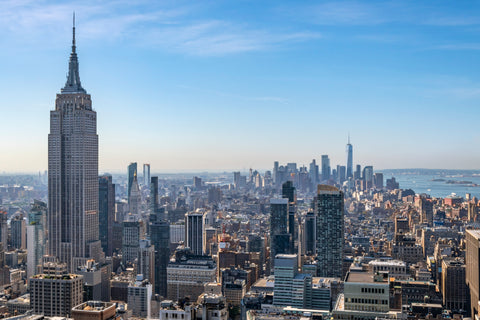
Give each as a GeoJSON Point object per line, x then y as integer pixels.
{"type": "Point", "coordinates": [214, 86]}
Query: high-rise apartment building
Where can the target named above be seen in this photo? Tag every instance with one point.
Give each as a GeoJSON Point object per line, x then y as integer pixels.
{"type": "Point", "coordinates": [329, 211]}
{"type": "Point", "coordinates": [73, 172]}
{"type": "Point", "coordinates": [146, 174]}
{"type": "Point", "coordinates": [349, 159]}
{"type": "Point", "coordinates": [55, 295]}
{"type": "Point", "coordinates": [194, 229]}
{"type": "Point", "coordinates": [106, 212]}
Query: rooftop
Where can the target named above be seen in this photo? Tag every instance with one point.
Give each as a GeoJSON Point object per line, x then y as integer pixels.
{"type": "Point", "coordinates": [366, 277]}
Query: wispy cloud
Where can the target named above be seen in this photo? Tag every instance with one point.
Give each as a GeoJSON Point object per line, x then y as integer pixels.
{"type": "Point", "coordinates": [273, 99]}
{"type": "Point", "coordinates": [176, 29]}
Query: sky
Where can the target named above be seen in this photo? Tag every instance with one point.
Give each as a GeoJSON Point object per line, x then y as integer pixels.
{"type": "Point", "coordinates": [233, 85]}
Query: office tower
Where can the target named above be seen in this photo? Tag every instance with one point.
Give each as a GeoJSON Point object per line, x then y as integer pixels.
{"type": "Point", "coordinates": [132, 172]}
{"type": "Point", "coordinates": [341, 174]}
{"type": "Point", "coordinates": [132, 233]}
{"type": "Point", "coordinates": [378, 180]}
{"type": "Point", "coordinates": [36, 236]}
{"type": "Point", "coordinates": [349, 159]}
{"type": "Point", "coordinates": [275, 174]}
{"type": "Point", "coordinates": [326, 170]}
{"type": "Point", "coordinates": [454, 289]}
{"type": "Point", "coordinates": [358, 173]}
{"type": "Point", "coordinates": [146, 174]}
{"type": "Point", "coordinates": [197, 183]}
{"type": "Point", "coordinates": [368, 176]}
{"type": "Point", "coordinates": [472, 259]}
{"type": "Point", "coordinates": [329, 211]}
{"type": "Point", "coordinates": [194, 227]}
{"type": "Point", "coordinates": [313, 173]}
{"type": "Point", "coordinates": [154, 195]}
{"type": "Point", "coordinates": [55, 295]}
{"type": "Point", "coordinates": [146, 260]}
{"type": "Point", "coordinates": [4, 229]}
{"type": "Point", "coordinates": [288, 192]}
{"type": "Point", "coordinates": [280, 238]}
{"type": "Point", "coordinates": [160, 237]}
{"type": "Point", "coordinates": [135, 199]}
{"type": "Point", "coordinates": [73, 172]}
{"type": "Point", "coordinates": [18, 233]}
{"type": "Point", "coordinates": [106, 212]}
{"type": "Point", "coordinates": [188, 274]}
{"type": "Point", "coordinates": [139, 297]}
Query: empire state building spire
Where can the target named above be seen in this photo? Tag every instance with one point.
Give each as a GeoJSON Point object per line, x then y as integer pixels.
{"type": "Point", "coordinates": [73, 84]}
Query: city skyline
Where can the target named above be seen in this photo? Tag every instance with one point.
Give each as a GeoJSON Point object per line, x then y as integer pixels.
{"type": "Point", "coordinates": [212, 87]}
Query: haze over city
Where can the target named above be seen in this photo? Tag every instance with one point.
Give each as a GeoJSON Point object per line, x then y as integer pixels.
{"type": "Point", "coordinates": [222, 86]}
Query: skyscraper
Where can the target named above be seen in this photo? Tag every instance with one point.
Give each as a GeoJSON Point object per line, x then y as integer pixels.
{"type": "Point", "coordinates": [349, 159]}
{"type": "Point", "coordinates": [73, 172]}
{"type": "Point", "coordinates": [36, 236]}
{"type": "Point", "coordinates": [106, 212]}
{"type": "Point", "coordinates": [146, 174]}
{"type": "Point", "coordinates": [329, 212]}
{"type": "Point", "coordinates": [160, 237]}
{"type": "Point", "coordinates": [313, 173]}
{"type": "Point", "coordinates": [194, 227]}
{"type": "Point", "coordinates": [132, 172]}
{"type": "Point", "coordinates": [153, 195]}
{"type": "Point", "coordinates": [368, 176]}
{"type": "Point", "coordinates": [135, 197]}
{"type": "Point", "coordinates": [280, 239]}
{"type": "Point", "coordinates": [288, 192]}
{"type": "Point", "coordinates": [325, 168]}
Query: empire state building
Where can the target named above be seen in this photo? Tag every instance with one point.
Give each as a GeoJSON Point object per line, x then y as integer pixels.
{"type": "Point", "coordinates": [73, 235]}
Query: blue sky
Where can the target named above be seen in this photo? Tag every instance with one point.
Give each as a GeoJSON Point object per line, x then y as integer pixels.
{"type": "Point", "coordinates": [223, 85]}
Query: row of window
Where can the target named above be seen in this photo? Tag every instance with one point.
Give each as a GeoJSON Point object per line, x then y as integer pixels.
{"type": "Point", "coordinates": [373, 290]}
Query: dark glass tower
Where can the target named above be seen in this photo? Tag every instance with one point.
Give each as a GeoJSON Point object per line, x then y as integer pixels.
{"type": "Point", "coordinates": [73, 172]}
{"type": "Point", "coordinates": [329, 213]}
{"type": "Point", "coordinates": [106, 211]}
{"type": "Point", "coordinates": [160, 237]}
{"type": "Point", "coordinates": [132, 173]}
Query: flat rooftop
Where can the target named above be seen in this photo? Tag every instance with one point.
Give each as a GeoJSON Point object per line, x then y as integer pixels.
{"type": "Point", "coordinates": [364, 277]}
